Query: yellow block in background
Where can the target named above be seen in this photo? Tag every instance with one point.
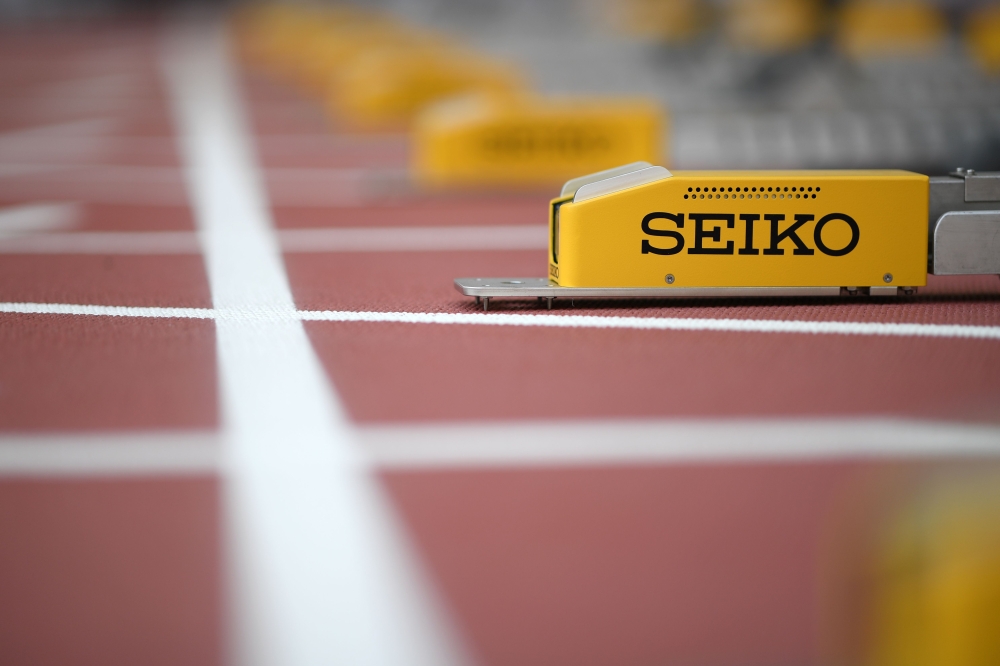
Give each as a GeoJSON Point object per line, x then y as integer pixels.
{"type": "Point", "coordinates": [326, 51]}
{"type": "Point", "coordinates": [772, 26]}
{"type": "Point", "coordinates": [982, 37]}
{"type": "Point", "coordinates": [890, 28]}
{"type": "Point", "coordinates": [936, 598]}
{"type": "Point", "coordinates": [747, 229]}
{"type": "Point", "coordinates": [669, 21]}
{"type": "Point", "coordinates": [309, 45]}
{"type": "Point", "coordinates": [531, 140]}
{"type": "Point", "coordinates": [388, 85]}
{"type": "Point", "coordinates": [264, 30]}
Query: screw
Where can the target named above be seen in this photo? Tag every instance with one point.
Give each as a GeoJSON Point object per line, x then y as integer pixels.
{"type": "Point", "coordinates": [887, 278]}
{"type": "Point", "coordinates": [670, 278]}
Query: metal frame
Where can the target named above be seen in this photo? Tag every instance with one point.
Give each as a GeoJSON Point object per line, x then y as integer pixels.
{"type": "Point", "coordinates": [484, 289]}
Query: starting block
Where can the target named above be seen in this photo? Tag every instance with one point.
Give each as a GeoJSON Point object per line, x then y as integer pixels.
{"type": "Point", "coordinates": [640, 231]}
{"type": "Point", "coordinates": [936, 575]}
{"type": "Point", "coordinates": [982, 36]}
{"type": "Point", "coordinates": [529, 140]}
{"type": "Point", "coordinates": [772, 26]}
{"type": "Point", "coordinates": [666, 21]}
{"type": "Point", "coordinates": [877, 28]}
{"type": "Point", "coordinates": [387, 85]}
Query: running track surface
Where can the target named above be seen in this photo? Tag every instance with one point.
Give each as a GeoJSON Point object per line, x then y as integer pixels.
{"type": "Point", "coordinates": [566, 495]}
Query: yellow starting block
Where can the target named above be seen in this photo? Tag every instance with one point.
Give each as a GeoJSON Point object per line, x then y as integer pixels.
{"type": "Point", "coordinates": [726, 229]}
{"type": "Point", "coordinates": [389, 84]}
{"type": "Point", "coordinates": [667, 21]}
{"type": "Point", "coordinates": [371, 70]}
{"type": "Point", "coordinates": [642, 231]}
{"type": "Point", "coordinates": [890, 28]}
{"type": "Point", "coordinates": [772, 26]}
{"type": "Point", "coordinates": [529, 140]}
{"type": "Point", "coordinates": [936, 598]}
{"type": "Point", "coordinates": [327, 51]}
{"type": "Point", "coordinates": [982, 36]}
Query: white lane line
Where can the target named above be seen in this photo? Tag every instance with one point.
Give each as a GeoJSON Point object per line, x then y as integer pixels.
{"type": "Point", "coordinates": [266, 313]}
{"type": "Point", "coordinates": [595, 442]}
{"type": "Point", "coordinates": [414, 239]}
{"type": "Point", "coordinates": [320, 571]}
{"type": "Point", "coordinates": [103, 242]}
{"type": "Point", "coordinates": [334, 187]}
{"type": "Point", "coordinates": [345, 239]}
{"type": "Point", "coordinates": [150, 185]}
{"type": "Point", "coordinates": [664, 323]}
{"type": "Point", "coordinates": [37, 217]}
{"type": "Point", "coordinates": [652, 441]}
{"type": "Point", "coordinates": [109, 454]}
{"type": "Point", "coordinates": [106, 310]}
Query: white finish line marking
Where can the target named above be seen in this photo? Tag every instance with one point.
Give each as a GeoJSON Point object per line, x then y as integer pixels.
{"type": "Point", "coordinates": [267, 314]}
{"type": "Point", "coordinates": [320, 572]}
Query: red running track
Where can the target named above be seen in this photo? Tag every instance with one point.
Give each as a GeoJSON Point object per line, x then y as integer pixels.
{"type": "Point", "coordinates": [722, 562]}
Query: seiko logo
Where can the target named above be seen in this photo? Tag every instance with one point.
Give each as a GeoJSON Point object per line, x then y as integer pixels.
{"type": "Point", "coordinates": [707, 237]}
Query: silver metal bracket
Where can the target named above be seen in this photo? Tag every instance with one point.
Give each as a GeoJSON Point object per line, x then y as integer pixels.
{"type": "Point", "coordinates": [979, 187]}
{"type": "Point", "coordinates": [962, 211]}
{"type": "Point", "coordinates": [485, 289]}
{"type": "Point", "coordinates": [967, 243]}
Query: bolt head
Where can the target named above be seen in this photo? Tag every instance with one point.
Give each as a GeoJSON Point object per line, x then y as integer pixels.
{"type": "Point", "coordinates": [887, 278]}
{"type": "Point", "coordinates": [670, 278]}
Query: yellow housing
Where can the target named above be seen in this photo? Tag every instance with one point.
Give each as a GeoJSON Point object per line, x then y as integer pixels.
{"type": "Point", "coordinates": [772, 26]}
{"type": "Point", "coordinates": [982, 37]}
{"type": "Point", "coordinates": [746, 229]}
{"type": "Point", "coordinates": [530, 140]}
{"type": "Point", "coordinates": [310, 44]}
{"type": "Point", "coordinates": [668, 21]}
{"type": "Point", "coordinates": [937, 578]}
{"type": "Point", "coordinates": [388, 85]}
{"type": "Point", "coordinates": [890, 28]}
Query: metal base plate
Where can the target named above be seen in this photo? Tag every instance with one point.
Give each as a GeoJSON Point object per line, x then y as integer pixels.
{"type": "Point", "coordinates": [487, 288]}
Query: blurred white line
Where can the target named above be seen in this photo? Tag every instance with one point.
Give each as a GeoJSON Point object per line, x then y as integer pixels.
{"type": "Point", "coordinates": [73, 142]}
{"type": "Point", "coordinates": [414, 239]}
{"type": "Point", "coordinates": [37, 217]}
{"type": "Point", "coordinates": [109, 454]}
{"type": "Point", "coordinates": [101, 183]}
{"type": "Point", "coordinates": [525, 444]}
{"type": "Point", "coordinates": [348, 239]}
{"type": "Point", "coordinates": [334, 187]}
{"type": "Point", "coordinates": [320, 572]}
{"type": "Point", "coordinates": [103, 242]}
{"type": "Point", "coordinates": [637, 441]}
{"type": "Point", "coordinates": [99, 127]}
{"type": "Point", "coordinates": [164, 186]}
{"type": "Point", "coordinates": [18, 169]}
